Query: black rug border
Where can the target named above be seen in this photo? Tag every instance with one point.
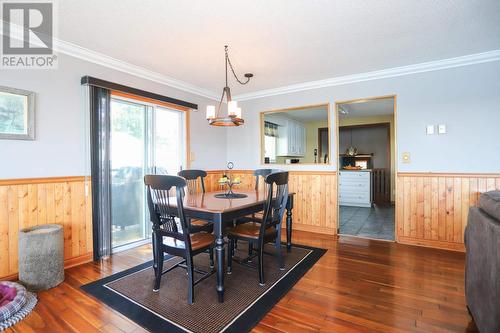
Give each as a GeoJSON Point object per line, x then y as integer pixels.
{"type": "Point", "coordinates": [244, 323]}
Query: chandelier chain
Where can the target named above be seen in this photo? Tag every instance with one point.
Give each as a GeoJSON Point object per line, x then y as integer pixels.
{"type": "Point", "coordinates": [232, 70]}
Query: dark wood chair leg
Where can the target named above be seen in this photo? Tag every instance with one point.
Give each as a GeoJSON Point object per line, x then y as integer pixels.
{"type": "Point", "coordinates": [211, 253]}
{"type": "Point", "coordinates": [230, 256]}
{"type": "Point", "coordinates": [155, 256]}
{"type": "Point", "coordinates": [159, 270]}
{"type": "Point", "coordinates": [190, 269]}
{"type": "Point", "coordinates": [261, 266]}
{"type": "Point", "coordinates": [250, 251]}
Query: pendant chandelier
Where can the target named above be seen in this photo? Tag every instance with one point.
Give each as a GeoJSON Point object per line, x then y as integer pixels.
{"type": "Point", "coordinates": [351, 151]}
{"type": "Point", "coordinates": [233, 117]}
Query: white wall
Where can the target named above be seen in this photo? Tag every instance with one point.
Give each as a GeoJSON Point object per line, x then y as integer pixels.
{"type": "Point", "coordinates": [59, 148]}
{"type": "Point", "coordinates": [466, 99]}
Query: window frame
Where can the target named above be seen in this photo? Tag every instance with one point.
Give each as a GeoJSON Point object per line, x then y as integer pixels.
{"type": "Point", "coordinates": [30, 115]}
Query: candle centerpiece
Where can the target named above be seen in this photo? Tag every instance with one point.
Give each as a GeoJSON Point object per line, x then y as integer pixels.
{"type": "Point", "coordinates": [228, 182]}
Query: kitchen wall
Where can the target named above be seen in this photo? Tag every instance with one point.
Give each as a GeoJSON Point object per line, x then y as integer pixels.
{"type": "Point", "coordinates": [368, 140]}
{"type": "Point", "coordinates": [466, 99]}
{"type": "Point", "coordinates": [312, 139]}
{"type": "Point", "coordinates": [61, 132]}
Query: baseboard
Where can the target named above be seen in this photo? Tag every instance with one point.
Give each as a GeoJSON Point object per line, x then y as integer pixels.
{"type": "Point", "coordinates": [312, 228]}
{"type": "Point", "coordinates": [68, 263]}
{"type": "Point", "coordinates": [76, 261]}
{"type": "Point", "coordinates": [435, 244]}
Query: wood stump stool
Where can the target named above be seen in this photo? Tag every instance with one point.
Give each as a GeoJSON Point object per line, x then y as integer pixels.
{"type": "Point", "coordinates": [41, 256]}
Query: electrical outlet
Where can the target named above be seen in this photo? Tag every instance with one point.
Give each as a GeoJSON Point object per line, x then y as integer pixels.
{"type": "Point", "coordinates": [442, 129]}
{"type": "Point", "coordinates": [406, 157]}
{"type": "Point", "coordinates": [430, 129]}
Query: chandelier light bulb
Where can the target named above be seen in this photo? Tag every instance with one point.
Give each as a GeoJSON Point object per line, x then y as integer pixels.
{"type": "Point", "coordinates": [231, 108]}
{"type": "Point", "coordinates": [210, 111]}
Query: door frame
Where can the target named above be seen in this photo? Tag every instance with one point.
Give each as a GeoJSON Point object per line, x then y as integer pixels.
{"type": "Point", "coordinates": [337, 152]}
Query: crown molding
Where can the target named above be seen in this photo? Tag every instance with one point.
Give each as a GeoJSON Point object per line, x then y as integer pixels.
{"type": "Point", "coordinates": [76, 51]}
{"type": "Point", "coordinates": [467, 60]}
{"type": "Point", "coordinates": [79, 52]}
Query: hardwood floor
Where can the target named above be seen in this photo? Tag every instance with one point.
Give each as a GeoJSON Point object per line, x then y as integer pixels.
{"type": "Point", "coordinates": [359, 285]}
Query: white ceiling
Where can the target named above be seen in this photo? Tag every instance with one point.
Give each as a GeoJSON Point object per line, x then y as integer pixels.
{"type": "Point", "coordinates": [369, 108]}
{"type": "Point", "coordinates": [282, 42]}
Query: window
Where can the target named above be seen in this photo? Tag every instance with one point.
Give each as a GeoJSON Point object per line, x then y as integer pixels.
{"type": "Point", "coordinates": [270, 135]}
{"type": "Point", "coordinates": [270, 148]}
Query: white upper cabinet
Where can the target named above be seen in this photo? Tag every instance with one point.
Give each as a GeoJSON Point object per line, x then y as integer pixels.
{"type": "Point", "coordinates": [291, 139]}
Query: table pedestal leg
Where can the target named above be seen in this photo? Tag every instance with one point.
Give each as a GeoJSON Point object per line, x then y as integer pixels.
{"type": "Point", "coordinates": [289, 229]}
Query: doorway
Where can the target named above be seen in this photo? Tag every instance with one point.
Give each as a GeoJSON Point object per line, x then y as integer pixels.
{"type": "Point", "coordinates": [144, 138]}
{"type": "Point", "coordinates": [366, 165]}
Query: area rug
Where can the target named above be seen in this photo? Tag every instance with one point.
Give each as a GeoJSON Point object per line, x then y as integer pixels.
{"type": "Point", "coordinates": [245, 302]}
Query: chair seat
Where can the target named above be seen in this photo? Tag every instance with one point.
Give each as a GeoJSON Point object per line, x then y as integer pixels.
{"type": "Point", "coordinates": [249, 230]}
{"type": "Point", "coordinates": [199, 223]}
{"type": "Point", "coordinates": [257, 217]}
{"type": "Point", "coordinates": [199, 241]}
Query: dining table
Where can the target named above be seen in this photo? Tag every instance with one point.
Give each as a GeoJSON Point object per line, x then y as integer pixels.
{"type": "Point", "coordinates": [222, 211]}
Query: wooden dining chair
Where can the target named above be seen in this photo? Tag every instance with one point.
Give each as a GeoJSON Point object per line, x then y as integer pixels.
{"type": "Point", "coordinates": [259, 174]}
{"type": "Point", "coordinates": [267, 229]}
{"type": "Point", "coordinates": [171, 230]}
{"type": "Point", "coordinates": [195, 180]}
{"type": "Point", "coordinates": [262, 173]}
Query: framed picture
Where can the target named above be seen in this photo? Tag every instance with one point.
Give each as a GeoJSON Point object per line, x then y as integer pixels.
{"type": "Point", "coordinates": [17, 114]}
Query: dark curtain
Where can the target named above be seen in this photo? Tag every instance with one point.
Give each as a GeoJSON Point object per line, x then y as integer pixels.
{"type": "Point", "coordinates": [100, 170]}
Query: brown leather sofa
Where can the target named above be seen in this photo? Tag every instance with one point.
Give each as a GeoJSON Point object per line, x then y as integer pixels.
{"type": "Point", "coordinates": [482, 267]}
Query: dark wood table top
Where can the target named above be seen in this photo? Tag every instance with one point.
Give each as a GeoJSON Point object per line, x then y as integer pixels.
{"type": "Point", "coordinates": [207, 202]}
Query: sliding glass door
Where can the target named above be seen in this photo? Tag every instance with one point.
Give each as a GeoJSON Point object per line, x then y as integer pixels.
{"type": "Point", "coordinates": [145, 138]}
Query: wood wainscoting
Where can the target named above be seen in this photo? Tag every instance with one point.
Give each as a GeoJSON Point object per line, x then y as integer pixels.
{"type": "Point", "coordinates": [315, 201]}
{"type": "Point", "coordinates": [432, 208]}
{"type": "Point", "coordinates": [37, 201]}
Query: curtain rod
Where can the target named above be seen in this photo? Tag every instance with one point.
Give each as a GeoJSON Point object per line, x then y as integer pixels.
{"type": "Point", "coordinates": [92, 81]}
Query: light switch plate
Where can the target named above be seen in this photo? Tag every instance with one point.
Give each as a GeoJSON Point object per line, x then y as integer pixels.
{"type": "Point", "coordinates": [406, 157]}
{"type": "Point", "coordinates": [442, 129]}
{"type": "Point", "coordinates": [192, 156]}
{"type": "Point", "coordinates": [430, 129]}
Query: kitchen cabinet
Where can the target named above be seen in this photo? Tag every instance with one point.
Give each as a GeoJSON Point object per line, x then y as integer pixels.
{"type": "Point", "coordinates": [355, 188]}
{"type": "Point", "coordinates": [291, 139]}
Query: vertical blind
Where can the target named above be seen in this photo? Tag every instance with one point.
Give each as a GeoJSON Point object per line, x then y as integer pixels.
{"type": "Point", "coordinates": [100, 169]}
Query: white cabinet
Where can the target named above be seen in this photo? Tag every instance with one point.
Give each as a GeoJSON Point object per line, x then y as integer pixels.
{"type": "Point", "coordinates": [291, 139]}
{"type": "Point", "coordinates": [355, 188]}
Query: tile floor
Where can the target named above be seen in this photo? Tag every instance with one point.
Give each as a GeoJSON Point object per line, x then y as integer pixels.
{"type": "Point", "coordinates": [375, 222]}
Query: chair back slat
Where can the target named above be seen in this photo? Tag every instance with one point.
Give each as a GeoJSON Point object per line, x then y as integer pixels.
{"type": "Point", "coordinates": [192, 177]}
{"type": "Point", "coordinates": [277, 197]}
{"type": "Point", "coordinates": [162, 212]}
{"type": "Point", "coordinates": [262, 173]}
